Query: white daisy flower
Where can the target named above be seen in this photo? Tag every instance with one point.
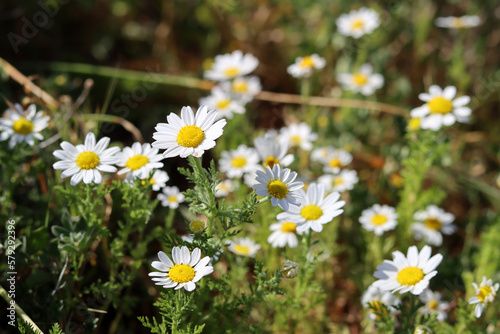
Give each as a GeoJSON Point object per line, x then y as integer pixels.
{"type": "Point", "coordinates": [86, 162]}
{"type": "Point", "coordinates": [462, 22]}
{"type": "Point", "coordinates": [304, 66]}
{"type": "Point", "coordinates": [373, 299]}
{"type": "Point", "coordinates": [434, 304]}
{"type": "Point", "coordinates": [280, 185]}
{"type": "Point", "coordinates": [237, 162]}
{"type": "Point", "coordinates": [290, 269]}
{"type": "Point", "coordinates": [320, 154]}
{"type": "Point", "coordinates": [223, 102]}
{"type": "Point", "coordinates": [284, 233]}
{"type": "Point", "coordinates": [432, 223]}
{"type": "Point", "coordinates": [441, 108]}
{"type": "Point", "coordinates": [272, 150]}
{"type": "Point", "coordinates": [189, 134]}
{"type": "Point", "coordinates": [485, 294]}
{"type": "Point", "coordinates": [185, 269]}
{"type": "Point", "coordinates": [22, 126]}
{"type": "Point", "coordinates": [158, 180]}
{"type": "Point", "coordinates": [379, 218]}
{"type": "Point", "coordinates": [335, 160]}
{"type": "Point", "coordinates": [344, 180]}
{"type": "Point", "coordinates": [171, 197]}
{"type": "Point", "coordinates": [139, 160]}
{"type": "Point", "coordinates": [298, 135]}
{"type": "Point", "coordinates": [408, 274]}
{"type": "Point", "coordinates": [358, 22]}
{"type": "Point", "coordinates": [243, 246]}
{"type": "Point", "coordinates": [225, 188]}
{"type": "Point", "coordinates": [363, 81]}
{"type": "Point", "coordinates": [315, 209]}
{"type": "Point", "coordinates": [244, 88]}
{"type": "Point", "coordinates": [231, 65]}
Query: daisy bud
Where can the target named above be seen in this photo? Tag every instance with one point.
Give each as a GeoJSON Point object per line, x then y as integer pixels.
{"type": "Point", "coordinates": [421, 329]}
{"type": "Point", "coordinates": [290, 269]}
{"type": "Point", "coordinates": [197, 227]}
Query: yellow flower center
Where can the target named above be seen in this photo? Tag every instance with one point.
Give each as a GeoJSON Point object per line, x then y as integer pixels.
{"type": "Point", "coordinates": [432, 305]}
{"type": "Point", "coordinates": [440, 105]}
{"type": "Point", "coordinates": [223, 103]}
{"type": "Point", "coordinates": [414, 124]}
{"type": "Point", "coordinates": [137, 161]}
{"type": "Point", "coordinates": [410, 276]}
{"type": "Point", "coordinates": [322, 121]}
{"type": "Point", "coordinates": [23, 127]}
{"type": "Point", "coordinates": [379, 219]}
{"type": "Point", "coordinates": [242, 249]}
{"type": "Point", "coordinates": [357, 24]}
{"type": "Point", "coordinates": [311, 212]}
{"type": "Point", "coordinates": [240, 86]}
{"type": "Point", "coordinates": [181, 273]}
{"type": "Point", "coordinates": [376, 306]}
{"type": "Point", "coordinates": [270, 161]}
{"type": "Point", "coordinates": [335, 163]}
{"type": "Point", "coordinates": [433, 223]}
{"type": "Point", "coordinates": [296, 140]}
{"type": "Point", "coordinates": [87, 160]}
{"type": "Point", "coordinates": [338, 181]}
{"type": "Point", "coordinates": [152, 181]}
{"type": "Point", "coordinates": [172, 198]}
{"type": "Point", "coordinates": [190, 136]}
{"type": "Point", "coordinates": [231, 72]}
{"type": "Point", "coordinates": [277, 189]}
{"type": "Point", "coordinates": [359, 79]}
{"type": "Point", "coordinates": [484, 292]}
{"type": "Point", "coordinates": [238, 162]}
{"type": "Point", "coordinates": [288, 227]}
{"type": "Point", "coordinates": [196, 226]}
{"type": "Point", "coordinates": [306, 62]}
{"type": "Point", "coordinates": [458, 23]}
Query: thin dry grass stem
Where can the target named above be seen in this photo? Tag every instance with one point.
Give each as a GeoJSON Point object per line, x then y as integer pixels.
{"type": "Point", "coordinates": [27, 84]}
{"type": "Point", "coordinates": [332, 102]}
{"type": "Point", "coordinates": [117, 120]}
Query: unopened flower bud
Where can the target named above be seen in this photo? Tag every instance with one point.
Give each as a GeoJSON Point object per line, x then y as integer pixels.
{"type": "Point", "coordinates": [290, 269]}
{"type": "Point", "coordinates": [197, 227]}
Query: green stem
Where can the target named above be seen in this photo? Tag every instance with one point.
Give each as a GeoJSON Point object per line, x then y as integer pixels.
{"type": "Point", "coordinates": [169, 221]}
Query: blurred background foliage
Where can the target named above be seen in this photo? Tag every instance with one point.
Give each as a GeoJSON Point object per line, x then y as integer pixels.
{"type": "Point", "coordinates": [178, 36]}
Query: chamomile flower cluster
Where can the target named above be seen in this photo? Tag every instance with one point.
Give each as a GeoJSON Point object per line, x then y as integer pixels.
{"type": "Point", "coordinates": [235, 88]}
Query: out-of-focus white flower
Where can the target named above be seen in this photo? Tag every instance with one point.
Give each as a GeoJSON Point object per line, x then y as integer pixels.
{"type": "Point", "coordinates": [225, 188]}
{"type": "Point", "coordinates": [485, 294]}
{"type": "Point", "coordinates": [139, 160]}
{"type": "Point", "coordinates": [298, 135]}
{"type": "Point", "coordinates": [379, 218]}
{"type": "Point", "coordinates": [171, 197]}
{"type": "Point", "coordinates": [335, 160]}
{"type": "Point", "coordinates": [373, 298]}
{"type": "Point", "coordinates": [284, 233]}
{"type": "Point", "coordinates": [432, 223]}
{"type": "Point", "coordinates": [231, 65]}
{"type": "Point", "coordinates": [223, 102]}
{"type": "Point", "coordinates": [243, 246]}
{"type": "Point", "coordinates": [304, 66]}
{"type": "Point", "coordinates": [22, 126]}
{"type": "Point", "coordinates": [272, 150]}
{"type": "Point", "coordinates": [433, 304]}
{"type": "Point", "coordinates": [441, 108]}
{"type": "Point", "coordinates": [363, 81]}
{"type": "Point", "coordinates": [243, 89]}
{"type": "Point", "coordinates": [462, 22]}
{"type": "Point", "coordinates": [358, 22]}
{"type": "Point", "coordinates": [290, 269]}
{"type": "Point", "coordinates": [237, 162]}
{"type": "Point", "coordinates": [344, 180]}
